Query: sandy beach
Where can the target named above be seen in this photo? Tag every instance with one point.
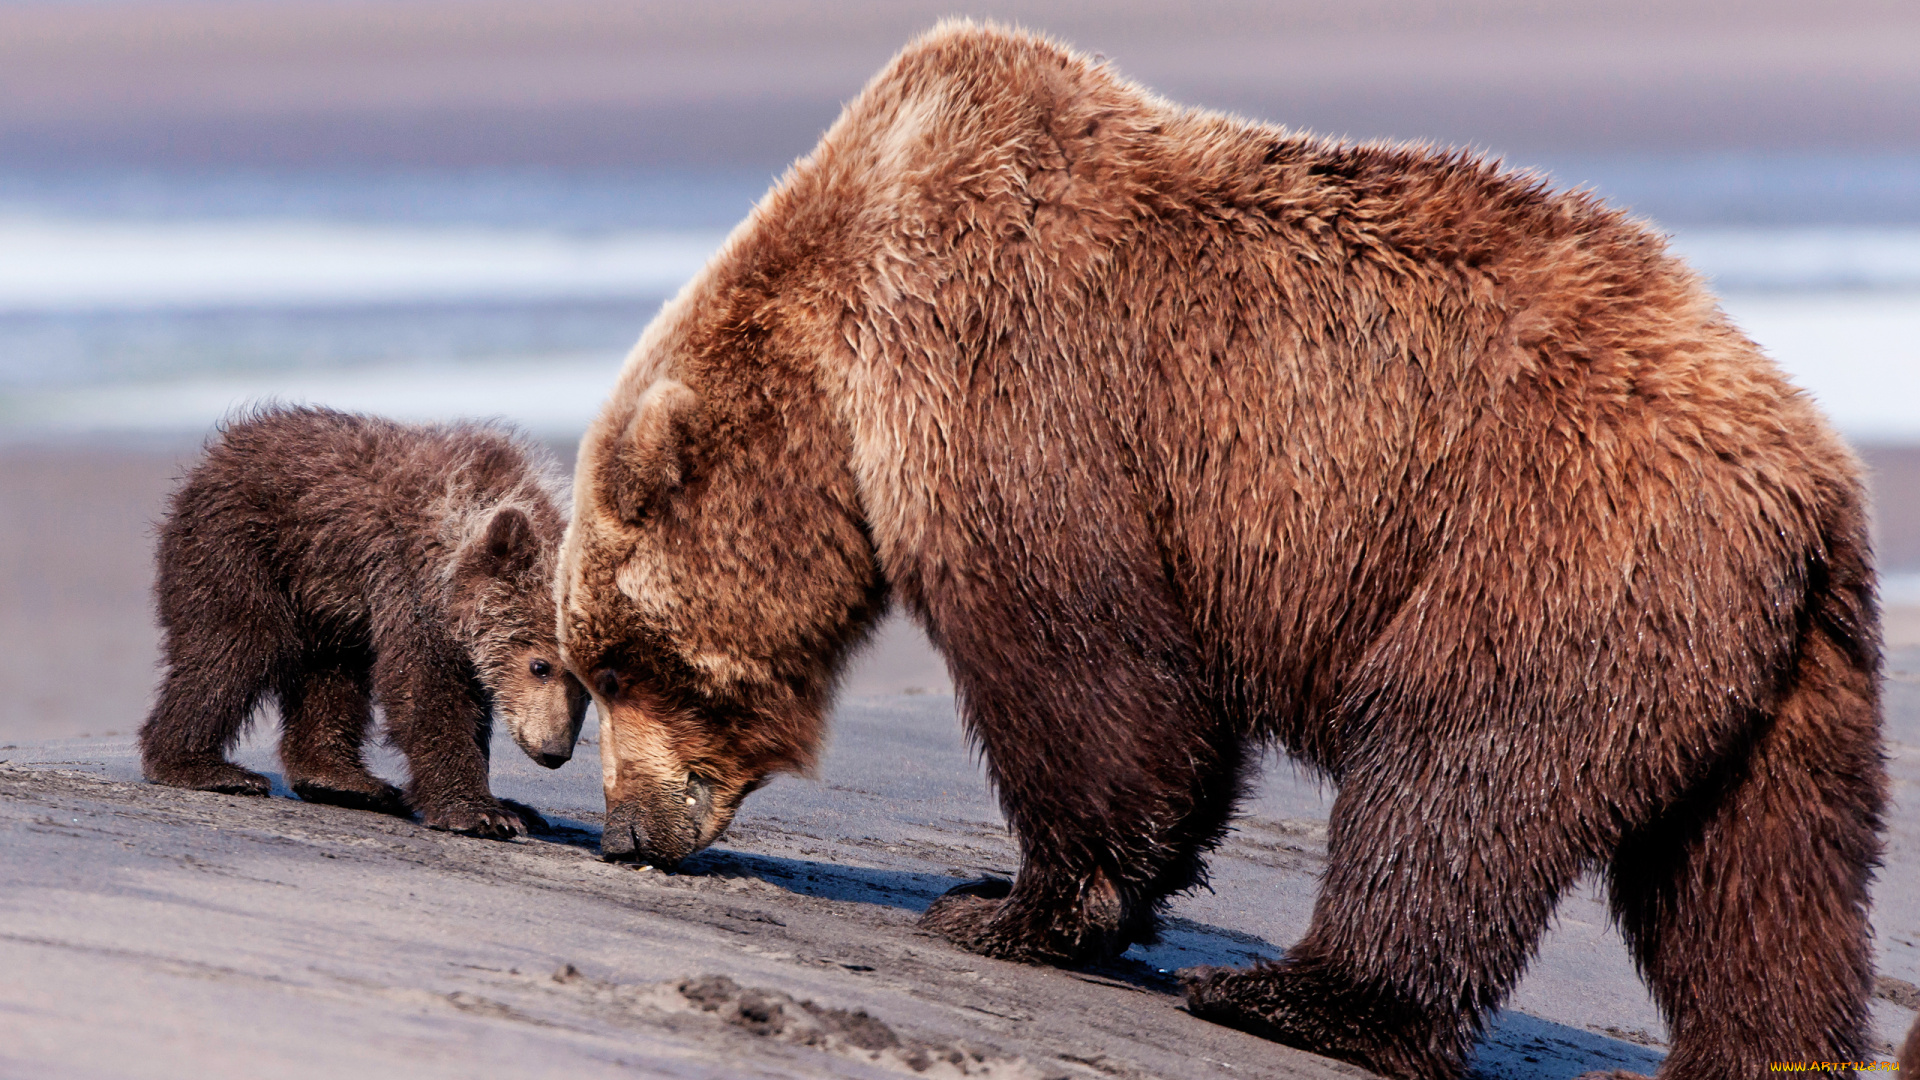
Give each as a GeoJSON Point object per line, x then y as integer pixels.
{"type": "Point", "coordinates": [153, 932]}
{"type": "Point", "coordinates": [160, 933]}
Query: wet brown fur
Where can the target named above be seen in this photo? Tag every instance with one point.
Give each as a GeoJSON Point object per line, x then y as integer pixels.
{"type": "Point", "coordinates": [1181, 434]}
{"type": "Point", "coordinates": [333, 560]}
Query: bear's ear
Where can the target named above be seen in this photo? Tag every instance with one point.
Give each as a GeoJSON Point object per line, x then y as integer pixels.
{"type": "Point", "coordinates": [654, 456]}
{"type": "Point", "coordinates": [508, 546]}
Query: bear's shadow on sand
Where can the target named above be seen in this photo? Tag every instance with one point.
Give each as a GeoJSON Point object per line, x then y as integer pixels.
{"type": "Point", "coordinates": [1515, 1047]}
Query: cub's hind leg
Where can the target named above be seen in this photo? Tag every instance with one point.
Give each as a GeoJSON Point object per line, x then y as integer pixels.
{"type": "Point", "coordinates": [227, 633]}
{"type": "Point", "coordinates": [326, 707]}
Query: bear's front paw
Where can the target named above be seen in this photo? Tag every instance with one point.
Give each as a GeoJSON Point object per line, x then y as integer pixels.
{"type": "Point", "coordinates": [962, 914]}
{"type": "Point", "coordinates": [1265, 1001]}
{"type": "Point", "coordinates": [487, 822]}
{"type": "Point", "coordinates": [975, 916]}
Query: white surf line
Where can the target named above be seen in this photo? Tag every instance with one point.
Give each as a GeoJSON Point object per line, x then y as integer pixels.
{"type": "Point", "coordinates": [1900, 590]}
{"type": "Point", "coordinates": [66, 265]}
{"type": "Point", "coordinates": [544, 395]}
{"type": "Point", "coordinates": [1849, 257]}
{"type": "Point", "coordinates": [1858, 354]}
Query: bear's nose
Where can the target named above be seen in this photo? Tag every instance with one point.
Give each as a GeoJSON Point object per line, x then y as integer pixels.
{"type": "Point", "coordinates": [623, 841]}
{"type": "Point", "coordinates": [554, 761]}
{"type": "Point", "coordinates": [633, 834]}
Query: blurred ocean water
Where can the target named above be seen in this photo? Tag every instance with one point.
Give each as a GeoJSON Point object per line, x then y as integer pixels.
{"type": "Point", "coordinates": [139, 302]}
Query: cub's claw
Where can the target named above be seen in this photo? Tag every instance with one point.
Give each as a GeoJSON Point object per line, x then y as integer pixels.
{"type": "Point", "coordinates": [487, 823]}
{"type": "Point", "coordinates": [535, 824]}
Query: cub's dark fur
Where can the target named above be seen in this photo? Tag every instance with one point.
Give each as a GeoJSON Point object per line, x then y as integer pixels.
{"type": "Point", "coordinates": [332, 560]}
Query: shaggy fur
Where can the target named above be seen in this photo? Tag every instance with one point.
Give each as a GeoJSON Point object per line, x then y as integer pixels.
{"type": "Point", "coordinates": [1910, 1053]}
{"type": "Point", "coordinates": [1181, 435]}
{"type": "Point", "coordinates": [332, 560]}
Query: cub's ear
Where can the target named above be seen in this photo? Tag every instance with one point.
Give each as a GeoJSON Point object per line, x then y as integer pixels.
{"type": "Point", "coordinates": [508, 546]}
{"type": "Point", "coordinates": [654, 456]}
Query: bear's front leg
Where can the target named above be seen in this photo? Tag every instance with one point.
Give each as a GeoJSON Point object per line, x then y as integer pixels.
{"type": "Point", "coordinates": [1043, 919]}
{"type": "Point", "coordinates": [438, 717]}
{"type": "Point", "coordinates": [1115, 773]}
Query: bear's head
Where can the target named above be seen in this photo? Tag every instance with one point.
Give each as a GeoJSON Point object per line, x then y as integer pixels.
{"type": "Point", "coordinates": [716, 571]}
{"type": "Point", "coordinates": [503, 612]}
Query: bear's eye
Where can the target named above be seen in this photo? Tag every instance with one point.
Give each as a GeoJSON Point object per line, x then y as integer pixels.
{"type": "Point", "coordinates": [540, 668]}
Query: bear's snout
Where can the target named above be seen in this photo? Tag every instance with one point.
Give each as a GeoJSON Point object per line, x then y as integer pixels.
{"type": "Point", "coordinates": [660, 831]}
{"type": "Point", "coordinates": [624, 839]}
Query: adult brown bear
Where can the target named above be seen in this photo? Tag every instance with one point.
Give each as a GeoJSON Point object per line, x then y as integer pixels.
{"type": "Point", "coordinates": [1180, 434]}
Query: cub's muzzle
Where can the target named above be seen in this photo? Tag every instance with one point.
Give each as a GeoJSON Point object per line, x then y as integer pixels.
{"type": "Point", "coordinates": [662, 829]}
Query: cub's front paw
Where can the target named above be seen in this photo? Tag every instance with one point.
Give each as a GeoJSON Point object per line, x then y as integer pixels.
{"type": "Point", "coordinates": [487, 822]}
{"type": "Point", "coordinates": [535, 824]}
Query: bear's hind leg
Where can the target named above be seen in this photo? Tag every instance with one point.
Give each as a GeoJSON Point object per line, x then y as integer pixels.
{"type": "Point", "coordinates": [325, 709]}
{"type": "Point", "coordinates": [1442, 874]}
{"type": "Point", "coordinates": [1746, 903]}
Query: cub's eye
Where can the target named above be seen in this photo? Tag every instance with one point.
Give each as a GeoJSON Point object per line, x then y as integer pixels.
{"type": "Point", "coordinates": [540, 668]}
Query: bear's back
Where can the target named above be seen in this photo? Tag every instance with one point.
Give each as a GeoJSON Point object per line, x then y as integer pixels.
{"type": "Point", "coordinates": [354, 512]}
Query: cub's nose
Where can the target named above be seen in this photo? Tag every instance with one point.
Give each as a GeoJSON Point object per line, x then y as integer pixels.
{"type": "Point", "coordinates": [553, 761]}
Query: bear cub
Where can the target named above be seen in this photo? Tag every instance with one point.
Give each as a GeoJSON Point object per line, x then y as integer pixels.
{"type": "Point", "coordinates": [333, 560]}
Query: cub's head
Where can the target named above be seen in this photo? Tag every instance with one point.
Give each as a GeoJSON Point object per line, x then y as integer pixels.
{"type": "Point", "coordinates": [716, 571]}
{"type": "Point", "coordinates": [504, 613]}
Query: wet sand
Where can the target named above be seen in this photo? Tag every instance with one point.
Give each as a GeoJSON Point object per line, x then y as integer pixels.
{"type": "Point", "coordinates": [152, 932]}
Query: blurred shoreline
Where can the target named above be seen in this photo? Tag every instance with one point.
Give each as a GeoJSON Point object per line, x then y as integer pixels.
{"type": "Point", "coordinates": [79, 649]}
